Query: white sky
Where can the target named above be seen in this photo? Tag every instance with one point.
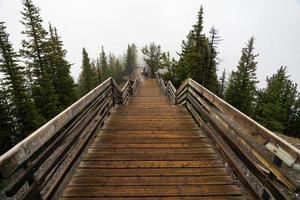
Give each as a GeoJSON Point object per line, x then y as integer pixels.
{"type": "Point", "coordinates": [115, 23]}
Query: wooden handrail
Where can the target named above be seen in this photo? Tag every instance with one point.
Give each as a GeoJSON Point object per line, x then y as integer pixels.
{"type": "Point", "coordinates": [208, 107]}
{"type": "Point", "coordinates": [75, 125]}
{"type": "Point", "coordinates": [168, 89]}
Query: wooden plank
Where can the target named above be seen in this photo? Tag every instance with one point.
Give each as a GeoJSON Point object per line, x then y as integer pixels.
{"type": "Point", "coordinates": [145, 146]}
{"type": "Point", "coordinates": [150, 164]}
{"type": "Point", "coordinates": [153, 151]}
{"type": "Point", "coordinates": [229, 197]}
{"type": "Point", "coordinates": [149, 140]}
{"type": "Point", "coordinates": [154, 157]}
{"type": "Point", "coordinates": [145, 172]}
{"type": "Point", "coordinates": [100, 191]}
{"type": "Point", "coordinates": [177, 180]}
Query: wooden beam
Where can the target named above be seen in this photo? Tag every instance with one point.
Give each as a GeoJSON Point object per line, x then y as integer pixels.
{"type": "Point", "coordinates": [17, 155]}
{"type": "Point", "coordinates": [284, 150]}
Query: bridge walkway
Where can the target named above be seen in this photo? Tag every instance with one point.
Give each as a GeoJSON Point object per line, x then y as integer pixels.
{"type": "Point", "coordinates": [151, 150]}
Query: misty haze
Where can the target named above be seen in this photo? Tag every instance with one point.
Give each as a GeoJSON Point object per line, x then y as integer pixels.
{"type": "Point", "coordinates": [149, 100]}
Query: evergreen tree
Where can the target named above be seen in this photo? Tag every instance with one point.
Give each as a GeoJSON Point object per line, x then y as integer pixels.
{"type": "Point", "coordinates": [153, 57]}
{"type": "Point", "coordinates": [130, 59]}
{"type": "Point", "coordinates": [111, 65]}
{"type": "Point", "coordinates": [222, 84]}
{"type": "Point", "coordinates": [182, 68]}
{"type": "Point", "coordinates": [62, 79]}
{"type": "Point", "coordinates": [118, 72]}
{"type": "Point", "coordinates": [211, 78]}
{"type": "Point", "coordinates": [104, 65]}
{"type": "Point", "coordinates": [88, 78]}
{"type": "Point", "coordinates": [241, 89]}
{"type": "Point", "coordinates": [34, 50]}
{"type": "Point", "coordinates": [276, 102]}
{"type": "Point", "coordinates": [23, 110]}
{"type": "Point", "coordinates": [98, 70]}
{"type": "Point", "coordinates": [6, 122]}
{"type": "Point", "coordinates": [198, 56]}
{"type": "Point", "coordinates": [293, 127]}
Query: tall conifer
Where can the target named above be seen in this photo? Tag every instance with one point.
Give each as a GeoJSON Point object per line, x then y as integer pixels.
{"type": "Point", "coordinates": [23, 110]}
{"type": "Point", "coordinates": [104, 65]}
{"type": "Point", "coordinates": [88, 78]}
{"type": "Point", "coordinates": [62, 79]}
{"type": "Point", "coordinates": [34, 50]}
{"type": "Point", "coordinates": [241, 89]}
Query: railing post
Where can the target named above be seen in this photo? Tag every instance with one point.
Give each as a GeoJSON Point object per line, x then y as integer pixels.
{"type": "Point", "coordinates": [112, 91]}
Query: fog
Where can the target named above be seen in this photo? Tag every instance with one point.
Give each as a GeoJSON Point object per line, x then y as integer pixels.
{"type": "Point", "coordinates": [115, 23]}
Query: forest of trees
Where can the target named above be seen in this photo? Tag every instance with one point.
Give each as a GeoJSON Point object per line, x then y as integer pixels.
{"type": "Point", "coordinates": [96, 71]}
{"type": "Point", "coordinates": [35, 81]}
{"type": "Point", "coordinates": [276, 107]}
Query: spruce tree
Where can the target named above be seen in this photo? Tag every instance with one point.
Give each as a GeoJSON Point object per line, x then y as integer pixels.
{"type": "Point", "coordinates": [153, 57]}
{"type": "Point", "coordinates": [88, 78]}
{"type": "Point", "coordinates": [34, 51]}
{"type": "Point", "coordinates": [104, 65]}
{"type": "Point", "coordinates": [62, 79]}
{"type": "Point", "coordinates": [198, 56]}
{"type": "Point", "coordinates": [276, 102]}
{"type": "Point", "coordinates": [23, 111]}
{"type": "Point", "coordinates": [293, 127]}
{"type": "Point", "coordinates": [130, 59]}
{"type": "Point", "coordinates": [6, 122]}
{"type": "Point", "coordinates": [241, 89]}
{"type": "Point", "coordinates": [97, 67]}
{"type": "Point", "coordinates": [118, 71]}
{"type": "Point", "coordinates": [197, 59]}
{"type": "Point", "coordinates": [222, 84]}
{"type": "Point", "coordinates": [211, 78]}
{"type": "Point", "coordinates": [182, 68]}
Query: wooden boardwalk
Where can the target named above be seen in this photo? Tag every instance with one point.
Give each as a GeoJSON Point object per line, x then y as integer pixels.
{"type": "Point", "coordinates": [151, 150]}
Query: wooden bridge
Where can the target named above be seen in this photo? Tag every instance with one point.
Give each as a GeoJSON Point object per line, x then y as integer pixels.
{"type": "Point", "coordinates": [150, 141]}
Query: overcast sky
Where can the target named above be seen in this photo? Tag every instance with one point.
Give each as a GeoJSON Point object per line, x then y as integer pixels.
{"type": "Point", "coordinates": [115, 23]}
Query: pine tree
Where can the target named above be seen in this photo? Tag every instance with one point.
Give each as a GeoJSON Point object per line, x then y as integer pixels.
{"type": "Point", "coordinates": [275, 103]}
{"type": "Point", "coordinates": [211, 78]}
{"type": "Point", "coordinates": [241, 89]}
{"type": "Point", "coordinates": [130, 59]}
{"type": "Point", "coordinates": [6, 122]}
{"type": "Point", "coordinates": [198, 59]}
{"type": "Point", "coordinates": [153, 57]}
{"type": "Point", "coordinates": [88, 78]}
{"type": "Point", "coordinates": [182, 67]}
{"type": "Point", "coordinates": [97, 69]}
{"type": "Point", "coordinates": [104, 65]}
{"type": "Point", "coordinates": [111, 65]}
{"type": "Point", "coordinates": [222, 84]}
{"type": "Point", "coordinates": [62, 79]}
{"type": "Point", "coordinates": [34, 50]}
{"type": "Point", "coordinates": [23, 110]}
{"type": "Point", "coordinates": [293, 127]}
{"type": "Point", "coordinates": [118, 72]}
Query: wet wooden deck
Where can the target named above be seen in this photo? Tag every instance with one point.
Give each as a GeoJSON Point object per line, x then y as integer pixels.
{"type": "Point", "coordinates": [151, 150]}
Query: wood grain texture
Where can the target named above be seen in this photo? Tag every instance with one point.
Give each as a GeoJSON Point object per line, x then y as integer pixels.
{"type": "Point", "coordinates": [151, 150]}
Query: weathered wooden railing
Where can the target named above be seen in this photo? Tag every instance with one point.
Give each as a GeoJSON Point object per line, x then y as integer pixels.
{"type": "Point", "coordinates": [268, 156]}
{"type": "Point", "coordinates": [37, 165]}
{"type": "Point", "coordinates": [168, 89]}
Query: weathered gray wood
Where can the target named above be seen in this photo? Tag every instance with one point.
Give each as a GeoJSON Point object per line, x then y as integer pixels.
{"type": "Point", "coordinates": [13, 158]}
{"type": "Point", "coordinates": [285, 151]}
